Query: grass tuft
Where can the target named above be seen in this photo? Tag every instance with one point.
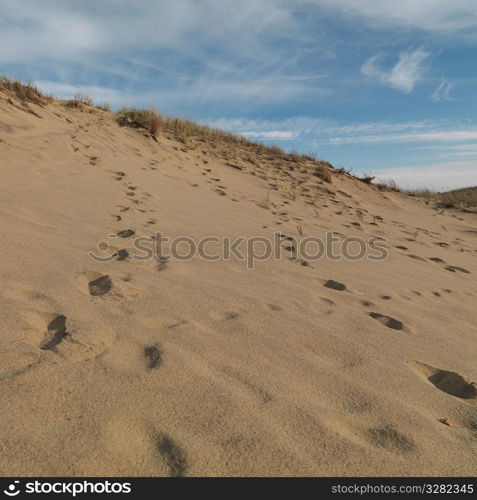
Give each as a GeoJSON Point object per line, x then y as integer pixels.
{"type": "Point", "coordinates": [26, 93]}
{"type": "Point", "coordinates": [449, 199]}
{"type": "Point", "coordinates": [146, 119]}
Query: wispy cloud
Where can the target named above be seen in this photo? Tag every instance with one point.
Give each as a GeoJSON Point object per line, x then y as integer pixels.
{"type": "Point", "coordinates": [327, 131]}
{"type": "Point", "coordinates": [97, 93]}
{"type": "Point", "coordinates": [404, 75]}
{"type": "Point", "coordinates": [439, 176]}
{"type": "Point", "coordinates": [451, 150]}
{"type": "Point", "coordinates": [293, 63]}
{"type": "Point", "coordinates": [444, 135]}
{"type": "Point", "coordinates": [458, 17]}
{"type": "Point", "coordinates": [271, 135]}
{"type": "Point", "coordinates": [177, 54]}
{"type": "Point", "coordinates": [442, 92]}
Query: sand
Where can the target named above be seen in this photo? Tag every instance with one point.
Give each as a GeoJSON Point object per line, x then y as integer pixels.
{"type": "Point", "coordinates": [207, 368]}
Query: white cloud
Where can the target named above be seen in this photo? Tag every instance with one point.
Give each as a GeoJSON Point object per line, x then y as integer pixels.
{"type": "Point", "coordinates": [271, 135]}
{"type": "Point", "coordinates": [293, 127]}
{"type": "Point", "coordinates": [97, 93]}
{"type": "Point", "coordinates": [177, 53]}
{"type": "Point", "coordinates": [444, 135]}
{"type": "Point", "coordinates": [403, 76]}
{"type": "Point", "coordinates": [437, 176]}
{"type": "Point", "coordinates": [73, 28]}
{"type": "Point", "coordinates": [442, 92]}
{"type": "Point", "coordinates": [456, 17]}
{"type": "Point", "coordinates": [469, 149]}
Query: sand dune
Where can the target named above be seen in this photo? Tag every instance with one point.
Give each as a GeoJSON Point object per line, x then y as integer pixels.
{"type": "Point", "coordinates": [187, 368]}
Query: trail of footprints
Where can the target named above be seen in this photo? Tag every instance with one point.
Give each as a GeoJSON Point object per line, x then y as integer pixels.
{"type": "Point", "coordinates": [56, 334]}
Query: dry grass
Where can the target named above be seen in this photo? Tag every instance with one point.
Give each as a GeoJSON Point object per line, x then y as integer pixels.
{"type": "Point", "coordinates": [25, 93]}
{"type": "Point", "coordinates": [388, 185]}
{"type": "Point", "coordinates": [449, 199]}
{"type": "Point", "coordinates": [104, 107]}
{"type": "Point", "coordinates": [146, 119]}
{"type": "Point", "coordinates": [181, 128]}
{"type": "Point", "coordinates": [230, 146]}
{"type": "Point", "coordinates": [79, 101]}
{"type": "Point", "coordinates": [187, 129]}
{"type": "Point", "coordinates": [367, 179]}
{"type": "Point", "coordinates": [190, 133]}
{"type": "Point", "coordinates": [323, 171]}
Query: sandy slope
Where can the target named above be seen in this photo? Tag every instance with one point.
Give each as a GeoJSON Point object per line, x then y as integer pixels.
{"type": "Point", "coordinates": [207, 368]}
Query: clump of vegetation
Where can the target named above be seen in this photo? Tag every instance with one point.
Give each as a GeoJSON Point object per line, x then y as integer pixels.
{"type": "Point", "coordinates": [449, 199]}
{"type": "Point", "coordinates": [79, 101]}
{"type": "Point", "coordinates": [25, 93]}
{"type": "Point", "coordinates": [323, 171]}
{"type": "Point", "coordinates": [190, 132]}
{"type": "Point", "coordinates": [388, 185]}
{"type": "Point", "coordinates": [104, 107]}
{"type": "Point", "coordinates": [367, 179]}
{"type": "Point", "coordinates": [187, 129]}
{"type": "Point", "coordinates": [146, 119]}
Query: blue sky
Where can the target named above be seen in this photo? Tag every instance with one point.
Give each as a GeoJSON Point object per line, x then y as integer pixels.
{"type": "Point", "coordinates": [379, 86]}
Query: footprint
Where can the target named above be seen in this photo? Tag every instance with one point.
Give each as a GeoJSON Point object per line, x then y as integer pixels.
{"type": "Point", "coordinates": [121, 255]}
{"type": "Point", "coordinates": [231, 315]}
{"type": "Point", "coordinates": [388, 321]}
{"type": "Point", "coordinates": [391, 439]}
{"type": "Point", "coordinates": [93, 283]}
{"type": "Point", "coordinates": [172, 454]}
{"type": "Point", "coordinates": [45, 330]}
{"type": "Point", "coordinates": [100, 285]}
{"type": "Point", "coordinates": [453, 269]}
{"type": "Point", "coordinates": [335, 285]}
{"type": "Point", "coordinates": [224, 316]}
{"type": "Point", "coordinates": [450, 382]}
{"type": "Point", "coordinates": [416, 257]}
{"type": "Point", "coordinates": [153, 357]}
{"type": "Point", "coordinates": [56, 333]}
{"type": "Point", "coordinates": [96, 284]}
{"type": "Point", "coordinates": [126, 233]}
